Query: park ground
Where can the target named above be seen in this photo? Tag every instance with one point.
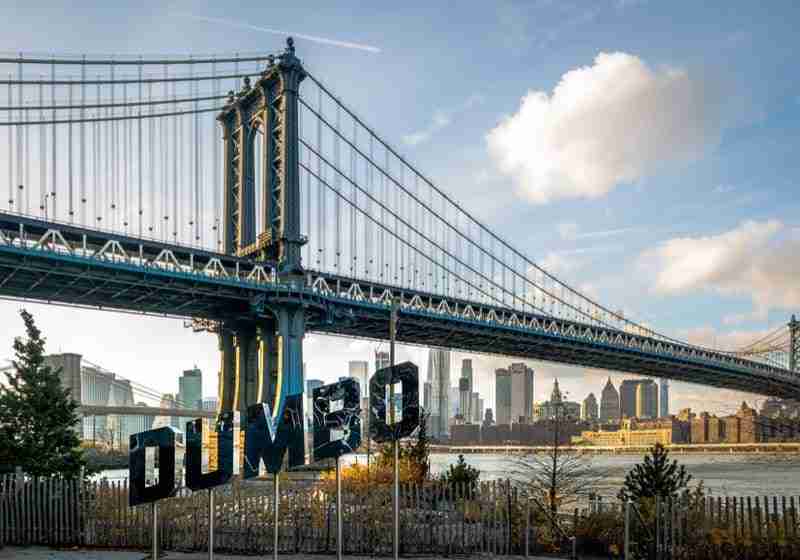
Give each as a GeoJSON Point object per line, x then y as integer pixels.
{"type": "Point", "coordinates": [44, 553]}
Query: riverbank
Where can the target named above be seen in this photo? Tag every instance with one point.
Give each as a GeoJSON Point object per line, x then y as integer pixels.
{"type": "Point", "coordinates": [675, 448]}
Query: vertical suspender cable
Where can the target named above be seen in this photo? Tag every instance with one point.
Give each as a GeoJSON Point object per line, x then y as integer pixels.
{"type": "Point", "coordinates": [197, 177]}
{"type": "Point", "coordinates": [368, 222]}
{"type": "Point", "coordinates": [27, 178]}
{"type": "Point", "coordinates": [337, 181]}
{"type": "Point", "coordinates": [112, 113]}
{"type": "Point", "coordinates": [151, 164]}
{"type": "Point", "coordinates": [139, 153]}
{"type": "Point", "coordinates": [352, 208]}
{"type": "Point", "coordinates": [42, 155]}
{"type": "Point", "coordinates": [125, 125]}
{"type": "Point", "coordinates": [20, 205]}
{"type": "Point", "coordinates": [321, 193]}
{"type": "Point", "coordinates": [215, 181]}
{"type": "Point", "coordinates": [42, 152]}
{"type": "Point", "coordinates": [53, 147]}
{"type": "Point", "coordinates": [83, 142]}
{"type": "Point", "coordinates": [175, 123]}
{"type": "Point", "coordinates": [97, 140]}
{"type": "Point", "coordinates": [95, 193]}
{"type": "Point", "coordinates": [10, 148]}
{"type": "Point", "coordinates": [162, 132]}
{"type": "Point", "coordinates": [108, 179]}
{"type": "Point", "coordinates": [70, 185]}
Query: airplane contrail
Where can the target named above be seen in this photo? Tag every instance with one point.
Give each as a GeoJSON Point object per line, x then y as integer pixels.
{"type": "Point", "coordinates": [322, 40]}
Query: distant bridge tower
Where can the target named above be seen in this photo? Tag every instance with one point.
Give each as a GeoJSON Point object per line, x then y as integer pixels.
{"type": "Point", "coordinates": [794, 344]}
{"type": "Point", "coordinates": [262, 353]}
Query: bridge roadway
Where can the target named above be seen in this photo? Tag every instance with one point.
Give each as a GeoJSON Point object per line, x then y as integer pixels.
{"type": "Point", "coordinates": [57, 263]}
{"type": "Point", "coordinates": [97, 410]}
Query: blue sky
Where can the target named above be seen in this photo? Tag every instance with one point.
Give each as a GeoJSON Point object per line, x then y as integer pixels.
{"type": "Point", "coordinates": [692, 222]}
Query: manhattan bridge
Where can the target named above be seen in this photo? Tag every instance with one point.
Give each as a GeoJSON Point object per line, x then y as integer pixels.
{"type": "Point", "coordinates": [241, 194]}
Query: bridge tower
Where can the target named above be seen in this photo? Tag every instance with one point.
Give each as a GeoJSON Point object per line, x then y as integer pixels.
{"type": "Point", "coordinates": [794, 344]}
{"type": "Point", "coordinates": [262, 354]}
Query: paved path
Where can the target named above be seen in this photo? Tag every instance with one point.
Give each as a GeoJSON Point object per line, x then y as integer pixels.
{"type": "Point", "coordinates": [42, 553]}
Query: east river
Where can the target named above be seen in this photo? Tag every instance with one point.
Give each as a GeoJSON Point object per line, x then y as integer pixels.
{"type": "Point", "coordinates": [748, 474]}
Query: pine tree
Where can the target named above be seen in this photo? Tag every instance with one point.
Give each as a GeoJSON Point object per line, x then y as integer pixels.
{"type": "Point", "coordinates": [462, 473]}
{"type": "Point", "coordinates": [656, 476]}
{"type": "Point", "coordinates": [37, 415]}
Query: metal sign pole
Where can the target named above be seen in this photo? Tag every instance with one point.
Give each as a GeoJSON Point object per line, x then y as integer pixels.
{"type": "Point", "coordinates": [211, 520]}
{"type": "Point", "coordinates": [339, 543]}
{"type": "Point", "coordinates": [395, 443]}
{"type": "Point", "coordinates": [155, 531]}
{"type": "Point", "coordinates": [627, 540]}
{"type": "Point", "coordinates": [275, 506]}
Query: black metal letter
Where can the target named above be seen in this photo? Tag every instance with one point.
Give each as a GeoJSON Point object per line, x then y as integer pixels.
{"type": "Point", "coordinates": [227, 430]}
{"type": "Point", "coordinates": [267, 439]}
{"type": "Point", "coordinates": [140, 492]}
{"type": "Point", "coordinates": [407, 374]}
{"type": "Point", "coordinates": [347, 419]}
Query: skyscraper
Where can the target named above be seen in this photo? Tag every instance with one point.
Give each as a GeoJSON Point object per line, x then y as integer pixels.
{"type": "Point", "coordinates": [589, 408]}
{"type": "Point", "coordinates": [647, 399]}
{"type": "Point", "coordinates": [465, 390]}
{"type": "Point", "coordinates": [627, 397]}
{"type": "Point", "coordinates": [478, 410]}
{"type": "Point", "coordinates": [439, 378]}
{"type": "Point", "coordinates": [359, 370]}
{"type": "Point", "coordinates": [190, 388]}
{"type": "Point", "coordinates": [609, 403]}
{"type": "Point", "coordinates": [502, 396]}
{"type": "Point", "coordinates": [521, 392]}
{"type": "Point", "coordinates": [474, 408]}
{"type": "Point", "coordinates": [663, 398]}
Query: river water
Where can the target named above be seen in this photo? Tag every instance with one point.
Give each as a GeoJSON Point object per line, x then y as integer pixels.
{"type": "Point", "coordinates": [749, 474]}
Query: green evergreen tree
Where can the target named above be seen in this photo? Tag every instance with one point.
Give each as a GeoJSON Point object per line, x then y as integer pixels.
{"type": "Point", "coordinates": [656, 476]}
{"type": "Point", "coordinates": [37, 415]}
{"type": "Point", "coordinates": [462, 473]}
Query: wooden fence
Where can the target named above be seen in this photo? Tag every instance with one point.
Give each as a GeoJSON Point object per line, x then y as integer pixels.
{"type": "Point", "coordinates": [435, 518]}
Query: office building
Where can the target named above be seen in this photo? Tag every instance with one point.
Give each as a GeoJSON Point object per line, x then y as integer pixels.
{"type": "Point", "coordinates": [488, 418]}
{"type": "Point", "coordinates": [190, 388]}
{"type": "Point", "coordinates": [502, 396]}
{"type": "Point", "coordinates": [663, 398]}
{"type": "Point", "coordinates": [359, 370]}
{"type": "Point", "coordinates": [647, 399]}
{"type": "Point", "coordinates": [475, 411]}
{"type": "Point", "coordinates": [465, 390]}
{"type": "Point", "coordinates": [439, 378]}
{"type": "Point", "coordinates": [627, 397]}
{"type": "Point", "coordinates": [609, 403]}
{"type": "Point", "coordinates": [556, 407]}
{"type": "Point", "coordinates": [522, 395]}
{"type": "Point", "coordinates": [589, 408]}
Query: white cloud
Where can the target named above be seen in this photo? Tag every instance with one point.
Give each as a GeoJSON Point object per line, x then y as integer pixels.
{"type": "Point", "coordinates": [441, 120]}
{"type": "Point", "coordinates": [710, 337]}
{"type": "Point", "coordinates": [568, 230]}
{"type": "Point", "coordinates": [751, 260]}
{"type": "Point", "coordinates": [604, 125]}
{"type": "Point", "coordinates": [559, 264]}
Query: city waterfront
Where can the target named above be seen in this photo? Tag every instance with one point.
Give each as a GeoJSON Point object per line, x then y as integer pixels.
{"type": "Point", "coordinates": [722, 474]}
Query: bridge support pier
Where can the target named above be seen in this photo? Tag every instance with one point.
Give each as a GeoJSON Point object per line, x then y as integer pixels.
{"type": "Point", "coordinates": [262, 360]}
